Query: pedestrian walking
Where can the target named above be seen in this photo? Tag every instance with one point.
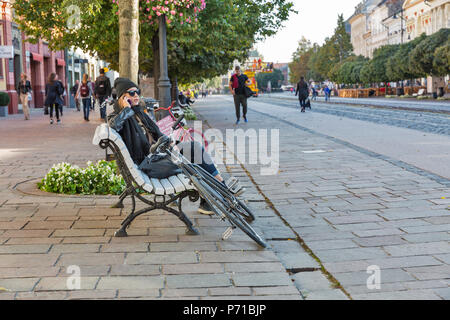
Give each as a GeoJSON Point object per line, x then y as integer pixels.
{"type": "Point", "coordinates": [62, 96]}
{"type": "Point", "coordinates": [73, 92]}
{"type": "Point", "coordinates": [314, 93]}
{"type": "Point", "coordinates": [53, 92]}
{"type": "Point", "coordinates": [85, 93]}
{"type": "Point", "coordinates": [327, 92]}
{"type": "Point", "coordinates": [92, 87]}
{"type": "Point", "coordinates": [238, 82]}
{"type": "Point", "coordinates": [24, 91]}
{"type": "Point", "coordinates": [302, 92]}
{"type": "Point", "coordinates": [102, 91]}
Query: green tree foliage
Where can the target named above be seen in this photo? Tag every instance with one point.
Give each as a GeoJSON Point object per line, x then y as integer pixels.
{"type": "Point", "coordinates": [349, 71]}
{"type": "Point", "coordinates": [299, 67]}
{"type": "Point", "coordinates": [441, 62]}
{"type": "Point", "coordinates": [423, 56]}
{"type": "Point", "coordinates": [276, 79]}
{"type": "Point", "coordinates": [225, 31]}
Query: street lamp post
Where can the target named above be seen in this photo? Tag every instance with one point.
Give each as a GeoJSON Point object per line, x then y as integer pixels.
{"type": "Point", "coordinates": [164, 81]}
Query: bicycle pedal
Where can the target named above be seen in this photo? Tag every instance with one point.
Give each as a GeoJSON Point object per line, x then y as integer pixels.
{"type": "Point", "coordinates": [227, 234]}
{"type": "Point", "coordinates": [231, 182]}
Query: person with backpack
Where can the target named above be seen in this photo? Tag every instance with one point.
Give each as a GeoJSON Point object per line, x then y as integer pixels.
{"type": "Point", "coordinates": [302, 92]}
{"type": "Point", "coordinates": [238, 82]}
{"type": "Point", "coordinates": [85, 92]}
{"type": "Point", "coordinates": [102, 91]}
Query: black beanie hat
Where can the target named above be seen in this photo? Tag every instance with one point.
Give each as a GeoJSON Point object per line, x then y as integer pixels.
{"type": "Point", "coordinates": [122, 85]}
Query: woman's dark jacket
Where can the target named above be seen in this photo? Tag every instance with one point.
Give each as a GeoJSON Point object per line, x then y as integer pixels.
{"type": "Point", "coordinates": [136, 140]}
{"type": "Point", "coordinates": [53, 92]}
{"type": "Point", "coordinates": [302, 90]}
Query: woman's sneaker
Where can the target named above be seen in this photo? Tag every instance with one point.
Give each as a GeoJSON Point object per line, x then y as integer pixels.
{"type": "Point", "coordinates": [205, 208]}
{"type": "Point", "coordinates": [51, 121]}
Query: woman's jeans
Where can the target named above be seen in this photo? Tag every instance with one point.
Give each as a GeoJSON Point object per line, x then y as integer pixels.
{"type": "Point", "coordinates": [195, 153]}
{"type": "Point", "coordinates": [56, 107]}
{"type": "Point", "coordinates": [86, 107]}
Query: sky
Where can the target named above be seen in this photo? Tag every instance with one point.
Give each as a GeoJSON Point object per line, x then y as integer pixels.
{"type": "Point", "coordinates": [316, 20]}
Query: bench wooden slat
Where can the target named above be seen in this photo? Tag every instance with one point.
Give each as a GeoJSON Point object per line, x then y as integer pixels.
{"type": "Point", "coordinates": [148, 186]}
{"type": "Point", "coordinates": [157, 187]}
{"type": "Point", "coordinates": [167, 186]}
{"type": "Point", "coordinates": [186, 182]}
{"type": "Point", "coordinates": [177, 184]}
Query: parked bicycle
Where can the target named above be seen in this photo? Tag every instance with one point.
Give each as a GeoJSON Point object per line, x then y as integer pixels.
{"type": "Point", "coordinates": [221, 198]}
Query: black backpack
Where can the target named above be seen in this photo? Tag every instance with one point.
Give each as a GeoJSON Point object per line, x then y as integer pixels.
{"type": "Point", "coordinates": [101, 87]}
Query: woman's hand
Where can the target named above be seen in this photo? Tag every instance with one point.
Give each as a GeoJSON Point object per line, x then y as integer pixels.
{"type": "Point", "coordinates": [126, 103]}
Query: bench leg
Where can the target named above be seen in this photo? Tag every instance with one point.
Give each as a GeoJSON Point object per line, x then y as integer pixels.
{"type": "Point", "coordinates": [191, 230]}
{"type": "Point", "coordinates": [122, 197]}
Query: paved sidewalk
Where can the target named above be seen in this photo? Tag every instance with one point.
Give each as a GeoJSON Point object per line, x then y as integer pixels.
{"type": "Point", "coordinates": [350, 207]}
{"type": "Point", "coordinates": [41, 236]}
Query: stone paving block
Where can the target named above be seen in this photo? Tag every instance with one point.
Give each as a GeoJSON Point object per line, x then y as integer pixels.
{"type": "Point", "coordinates": [201, 268]}
{"type": "Point", "coordinates": [410, 214]}
{"type": "Point", "coordinates": [161, 257]}
{"type": "Point", "coordinates": [105, 211]}
{"type": "Point", "coordinates": [91, 259]}
{"type": "Point", "coordinates": [198, 281]}
{"type": "Point", "coordinates": [285, 246]}
{"type": "Point", "coordinates": [278, 233]}
{"type": "Point", "coordinates": [332, 235]}
{"type": "Point", "coordinates": [443, 257]}
{"type": "Point", "coordinates": [135, 270]}
{"type": "Point", "coordinates": [27, 233]}
{"type": "Point", "coordinates": [297, 260]}
{"type": "Point", "coordinates": [303, 231]}
{"type": "Point", "coordinates": [427, 229]}
{"type": "Point", "coordinates": [276, 297]}
{"type": "Point", "coordinates": [339, 255]}
{"type": "Point", "coordinates": [86, 271]}
{"type": "Point", "coordinates": [353, 219]}
{"type": "Point", "coordinates": [79, 233]}
{"type": "Point", "coordinates": [331, 244]}
{"type": "Point", "coordinates": [12, 249]}
{"type": "Point", "coordinates": [33, 241]}
{"type": "Point", "coordinates": [22, 284]}
{"type": "Point", "coordinates": [279, 290]}
{"type": "Point", "coordinates": [183, 293]}
{"type": "Point", "coordinates": [74, 248]}
{"type": "Point", "coordinates": [418, 249]}
{"type": "Point", "coordinates": [438, 220]}
{"type": "Point", "coordinates": [64, 283]}
{"type": "Point", "coordinates": [48, 225]}
{"type": "Point", "coordinates": [398, 286]}
{"type": "Point", "coordinates": [23, 260]}
{"type": "Point", "coordinates": [346, 266]}
{"type": "Point", "coordinates": [13, 225]}
{"type": "Point", "coordinates": [61, 295]}
{"type": "Point", "coordinates": [427, 237]}
{"type": "Point", "coordinates": [235, 256]}
{"type": "Point", "coordinates": [7, 295]}
{"type": "Point", "coordinates": [180, 246]}
{"type": "Point", "coordinates": [29, 272]}
{"type": "Point", "coordinates": [399, 295]}
{"type": "Point", "coordinates": [228, 245]}
{"type": "Point", "coordinates": [90, 294]}
{"type": "Point", "coordinates": [261, 279]}
{"type": "Point", "coordinates": [84, 240]}
{"type": "Point", "coordinates": [358, 226]}
{"type": "Point", "coordinates": [378, 232]}
{"type": "Point", "coordinates": [144, 293]}
{"type": "Point", "coordinates": [379, 241]}
{"type": "Point", "coordinates": [130, 283]}
{"type": "Point", "coordinates": [334, 294]}
{"type": "Point", "coordinates": [124, 247]}
{"type": "Point", "coordinates": [255, 267]}
{"type": "Point", "coordinates": [360, 277]}
{"type": "Point", "coordinates": [230, 291]}
{"type": "Point", "coordinates": [444, 293]}
{"type": "Point", "coordinates": [430, 272]}
{"type": "Point", "coordinates": [311, 281]}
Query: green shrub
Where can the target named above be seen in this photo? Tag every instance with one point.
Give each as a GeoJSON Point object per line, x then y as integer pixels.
{"type": "Point", "coordinates": [423, 97]}
{"type": "Point", "coordinates": [189, 114]}
{"type": "Point", "coordinates": [443, 98]}
{"type": "Point", "coordinates": [97, 179]}
{"type": "Point", "coordinates": [4, 99]}
{"type": "Point", "coordinates": [406, 96]}
{"type": "Point", "coordinates": [389, 97]}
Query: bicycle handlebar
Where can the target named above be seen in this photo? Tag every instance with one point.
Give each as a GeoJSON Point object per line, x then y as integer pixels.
{"type": "Point", "coordinates": [163, 141]}
{"type": "Point", "coordinates": [178, 122]}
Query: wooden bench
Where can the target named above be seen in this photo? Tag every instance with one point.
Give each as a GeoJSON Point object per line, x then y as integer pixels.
{"type": "Point", "coordinates": [160, 192]}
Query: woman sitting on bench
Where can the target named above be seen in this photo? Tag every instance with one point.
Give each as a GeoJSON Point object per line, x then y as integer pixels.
{"type": "Point", "coordinates": [138, 132]}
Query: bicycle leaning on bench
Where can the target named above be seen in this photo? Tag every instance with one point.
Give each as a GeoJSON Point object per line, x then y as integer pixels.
{"type": "Point", "coordinates": [221, 199]}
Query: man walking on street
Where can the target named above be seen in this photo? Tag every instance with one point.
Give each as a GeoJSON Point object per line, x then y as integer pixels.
{"type": "Point", "coordinates": [73, 92]}
{"type": "Point", "coordinates": [102, 91]}
{"type": "Point", "coordinates": [238, 82]}
{"type": "Point", "coordinates": [24, 89]}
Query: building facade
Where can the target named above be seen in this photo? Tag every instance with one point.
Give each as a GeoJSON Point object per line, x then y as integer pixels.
{"type": "Point", "coordinates": [37, 61]}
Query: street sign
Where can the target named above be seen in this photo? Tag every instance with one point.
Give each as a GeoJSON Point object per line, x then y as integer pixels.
{"type": "Point", "coordinates": [7, 52]}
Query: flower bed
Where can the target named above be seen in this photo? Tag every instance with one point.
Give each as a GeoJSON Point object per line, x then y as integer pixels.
{"type": "Point", "coordinates": [97, 179]}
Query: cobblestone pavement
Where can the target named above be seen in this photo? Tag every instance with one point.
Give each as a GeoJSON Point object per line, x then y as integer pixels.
{"type": "Point", "coordinates": [349, 208]}
{"type": "Point", "coordinates": [42, 235]}
{"type": "Point", "coordinates": [423, 121]}
{"type": "Point", "coordinates": [396, 103]}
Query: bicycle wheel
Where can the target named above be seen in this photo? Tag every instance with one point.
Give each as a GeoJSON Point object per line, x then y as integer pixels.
{"type": "Point", "coordinates": [199, 137]}
{"type": "Point", "coordinates": [217, 202]}
{"type": "Point", "coordinates": [234, 202]}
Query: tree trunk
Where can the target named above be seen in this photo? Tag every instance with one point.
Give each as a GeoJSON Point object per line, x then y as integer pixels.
{"type": "Point", "coordinates": [129, 39]}
{"type": "Point", "coordinates": [174, 90]}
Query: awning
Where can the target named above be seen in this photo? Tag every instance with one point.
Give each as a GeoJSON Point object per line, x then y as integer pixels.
{"type": "Point", "coordinates": [37, 57]}
{"type": "Point", "coordinates": [60, 62]}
